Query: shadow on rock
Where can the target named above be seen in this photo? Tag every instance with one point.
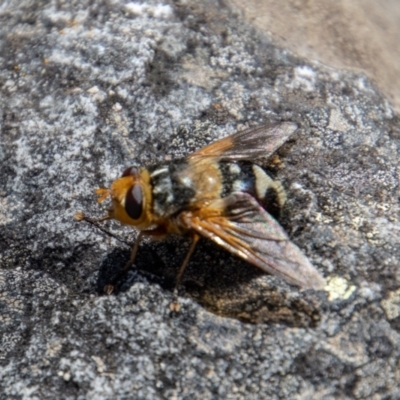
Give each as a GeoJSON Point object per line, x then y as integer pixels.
{"type": "Point", "coordinates": [218, 281]}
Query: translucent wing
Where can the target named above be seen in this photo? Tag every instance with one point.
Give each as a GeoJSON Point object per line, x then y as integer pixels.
{"type": "Point", "coordinates": [241, 226]}
{"type": "Point", "coordinates": [249, 144]}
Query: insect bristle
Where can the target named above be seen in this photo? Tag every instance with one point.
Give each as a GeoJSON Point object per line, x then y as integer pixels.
{"type": "Point", "coordinates": [103, 194]}
{"type": "Point", "coordinates": [79, 216]}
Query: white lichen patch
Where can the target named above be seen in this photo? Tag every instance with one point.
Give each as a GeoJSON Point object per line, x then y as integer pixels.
{"type": "Point", "coordinates": [320, 217]}
{"type": "Point", "coordinates": [53, 348]}
{"type": "Point", "coordinates": [304, 79]}
{"type": "Point", "coordinates": [391, 304]}
{"type": "Point", "coordinates": [6, 210]}
{"type": "Point", "coordinates": [347, 349]}
{"type": "Point", "coordinates": [159, 11]}
{"type": "Point", "coordinates": [339, 288]}
{"type": "Point", "coordinates": [337, 122]}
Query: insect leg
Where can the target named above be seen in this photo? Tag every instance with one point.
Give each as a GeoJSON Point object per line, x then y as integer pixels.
{"type": "Point", "coordinates": [134, 251]}
{"type": "Point", "coordinates": [80, 216]}
{"type": "Point", "coordinates": [174, 306]}
{"type": "Point", "coordinates": [108, 289]}
{"type": "Point", "coordinates": [157, 232]}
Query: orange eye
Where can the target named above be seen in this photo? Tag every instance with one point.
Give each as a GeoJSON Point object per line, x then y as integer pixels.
{"type": "Point", "coordinates": [134, 202]}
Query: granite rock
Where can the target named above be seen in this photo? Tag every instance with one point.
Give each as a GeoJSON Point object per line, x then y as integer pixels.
{"type": "Point", "coordinates": [89, 88]}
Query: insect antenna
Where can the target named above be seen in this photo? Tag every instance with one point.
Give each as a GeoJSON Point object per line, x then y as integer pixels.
{"type": "Point", "coordinates": [80, 216]}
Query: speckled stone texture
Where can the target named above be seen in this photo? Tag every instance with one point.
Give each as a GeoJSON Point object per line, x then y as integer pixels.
{"type": "Point", "coordinates": [89, 88]}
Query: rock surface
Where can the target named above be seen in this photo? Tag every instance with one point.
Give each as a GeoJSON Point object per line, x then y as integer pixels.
{"type": "Point", "coordinates": [88, 89]}
{"type": "Point", "coordinates": [357, 34]}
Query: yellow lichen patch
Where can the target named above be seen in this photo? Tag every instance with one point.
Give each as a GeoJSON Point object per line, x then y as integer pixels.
{"type": "Point", "coordinates": [391, 304]}
{"type": "Point", "coordinates": [339, 288]}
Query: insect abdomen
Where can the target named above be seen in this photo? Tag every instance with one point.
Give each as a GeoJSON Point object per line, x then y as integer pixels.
{"type": "Point", "coordinates": [244, 176]}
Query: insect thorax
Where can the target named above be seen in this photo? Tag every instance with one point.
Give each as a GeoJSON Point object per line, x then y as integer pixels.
{"type": "Point", "coordinates": [170, 194]}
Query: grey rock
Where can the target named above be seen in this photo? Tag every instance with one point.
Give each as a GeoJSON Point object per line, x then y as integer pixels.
{"type": "Point", "coordinates": [87, 89]}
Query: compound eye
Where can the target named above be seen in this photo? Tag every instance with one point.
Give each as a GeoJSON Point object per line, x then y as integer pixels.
{"type": "Point", "coordinates": [131, 171]}
{"type": "Point", "coordinates": [134, 201]}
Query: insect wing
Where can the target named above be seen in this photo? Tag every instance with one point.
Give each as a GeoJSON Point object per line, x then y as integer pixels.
{"type": "Point", "coordinates": [249, 144]}
{"type": "Point", "coordinates": [246, 230]}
